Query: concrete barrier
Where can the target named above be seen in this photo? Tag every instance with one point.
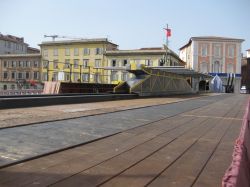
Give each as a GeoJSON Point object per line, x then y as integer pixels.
{"type": "Point", "coordinates": [238, 173]}
{"type": "Point", "coordinates": [23, 102]}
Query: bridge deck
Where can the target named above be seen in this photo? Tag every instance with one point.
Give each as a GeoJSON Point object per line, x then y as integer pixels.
{"type": "Point", "coordinates": [190, 149]}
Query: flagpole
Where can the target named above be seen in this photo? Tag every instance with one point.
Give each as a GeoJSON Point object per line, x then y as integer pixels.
{"type": "Point", "coordinates": [167, 47]}
{"type": "Point", "coordinates": [167, 37]}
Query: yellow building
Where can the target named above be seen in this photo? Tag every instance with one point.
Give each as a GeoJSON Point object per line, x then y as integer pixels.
{"type": "Point", "coordinates": [87, 60]}
{"type": "Point", "coordinates": [144, 56]}
{"type": "Point", "coordinates": [74, 60]}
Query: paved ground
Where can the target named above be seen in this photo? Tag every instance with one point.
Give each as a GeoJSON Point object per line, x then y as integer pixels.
{"type": "Point", "coordinates": [15, 117]}
{"type": "Point", "coordinates": [28, 141]}
{"type": "Point", "coordinates": [191, 148]}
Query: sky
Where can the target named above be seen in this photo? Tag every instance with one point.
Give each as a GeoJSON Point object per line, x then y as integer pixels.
{"type": "Point", "coordinates": [131, 24]}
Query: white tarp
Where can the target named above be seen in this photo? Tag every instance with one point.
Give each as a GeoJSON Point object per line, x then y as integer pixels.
{"type": "Point", "coordinates": [216, 83]}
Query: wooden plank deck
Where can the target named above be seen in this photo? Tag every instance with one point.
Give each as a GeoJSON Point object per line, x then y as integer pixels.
{"type": "Point", "coordinates": [190, 149]}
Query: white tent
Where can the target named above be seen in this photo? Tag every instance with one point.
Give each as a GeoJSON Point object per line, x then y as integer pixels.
{"type": "Point", "coordinates": [216, 83]}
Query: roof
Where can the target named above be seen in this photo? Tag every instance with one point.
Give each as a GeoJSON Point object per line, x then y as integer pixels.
{"type": "Point", "coordinates": [20, 55]}
{"type": "Point", "coordinates": [12, 38]}
{"type": "Point", "coordinates": [32, 48]}
{"type": "Point", "coordinates": [68, 42]}
{"type": "Point", "coordinates": [142, 51]}
{"type": "Point", "coordinates": [145, 51]}
{"type": "Point", "coordinates": [211, 38]}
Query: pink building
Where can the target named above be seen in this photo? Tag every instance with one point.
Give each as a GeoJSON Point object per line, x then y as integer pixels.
{"type": "Point", "coordinates": [215, 55]}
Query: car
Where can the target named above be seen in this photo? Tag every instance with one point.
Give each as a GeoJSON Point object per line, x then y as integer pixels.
{"type": "Point", "coordinates": [243, 90]}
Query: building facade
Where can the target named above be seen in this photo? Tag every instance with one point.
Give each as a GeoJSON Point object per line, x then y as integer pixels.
{"type": "Point", "coordinates": [214, 55]}
{"type": "Point", "coordinates": [86, 60]}
{"type": "Point", "coordinates": [75, 60]}
{"type": "Point", "coordinates": [245, 71]}
{"type": "Point", "coordinates": [20, 71]}
{"type": "Point", "coordinates": [12, 45]}
{"type": "Point", "coordinates": [144, 56]}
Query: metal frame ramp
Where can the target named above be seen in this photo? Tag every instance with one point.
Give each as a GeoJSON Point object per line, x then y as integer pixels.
{"type": "Point", "coordinates": [156, 81]}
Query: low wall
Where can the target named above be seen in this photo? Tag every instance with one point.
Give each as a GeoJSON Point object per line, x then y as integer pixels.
{"type": "Point", "coordinates": [46, 100]}
{"type": "Point", "coordinates": [238, 174]}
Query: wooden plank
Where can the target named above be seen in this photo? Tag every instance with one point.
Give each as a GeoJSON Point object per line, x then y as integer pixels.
{"type": "Point", "coordinates": [186, 169]}
{"type": "Point", "coordinates": [104, 171]}
{"type": "Point", "coordinates": [221, 159]}
{"type": "Point", "coordinates": [87, 156]}
{"type": "Point", "coordinates": [146, 170]}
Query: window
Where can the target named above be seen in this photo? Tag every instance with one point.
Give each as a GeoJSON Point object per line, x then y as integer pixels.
{"type": "Point", "coordinates": [45, 52]}
{"type": "Point", "coordinates": [36, 64]}
{"type": "Point", "coordinates": [55, 76]}
{"type": "Point", "coordinates": [13, 64]}
{"type": "Point", "coordinates": [20, 75]}
{"type": "Point", "coordinates": [216, 67]}
{"type": "Point", "coordinates": [124, 76]}
{"type": "Point", "coordinates": [67, 63]}
{"type": "Point", "coordinates": [113, 63]}
{"type": "Point", "coordinates": [5, 64]}
{"type": "Point", "coordinates": [161, 62]}
{"type": "Point", "coordinates": [20, 63]}
{"type": "Point", "coordinates": [5, 75]}
{"type": "Point", "coordinates": [26, 64]}
{"type": "Point", "coordinates": [114, 76]}
{"type": "Point", "coordinates": [76, 77]}
{"type": "Point", "coordinates": [9, 44]}
{"type": "Point", "coordinates": [125, 62]}
{"type": "Point", "coordinates": [217, 50]}
{"type": "Point", "coordinates": [36, 75]}
{"type": "Point", "coordinates": [67, 52]}
{"type": "Point", "coordinates": [27, 75]}
{"type": "Point", "coordinates": [13, 87]}
{"type": "Point", "coordinates": [85, 63]}
{"type": "Point", "coordinates": [45, 76]}
{"type": "Point", "coordinates": [55, 52]}
{"type": "Point", "coordinates": [230, 68]}
{"type": "Point", "coordinates": [203, 67]}
{"type": "Point", "coordinates": [203, 50]}
{"type": "Point", "coordinates": [45, 64]}
{"type": "Point", "coordinates": [97, 62]}
{"type": "Point", "coordinates": [231, 51]}
{"type": "Point", "coordinates": [148, 62]}
{"type": "Point", "coordinates": [76, 63]}
{"type": "Point", "coordinates": [98, 51]}
{"type": "Point", "coordinates": [86, 51]}
{"type": "Point", "coordinates": [55, 64]}
{"type": "Point", "coordinates": [97, 78]}
{"type": "Point", "coordinates": [13, 75]}
{"type": "Point", "coordinates": [76, 51]}
{"type": "Point", "coordinates": [85, 77]}
{"type": "Point", "coordinates": [5, 87]}
{"type": "Point", "coordinates": [67, 77]}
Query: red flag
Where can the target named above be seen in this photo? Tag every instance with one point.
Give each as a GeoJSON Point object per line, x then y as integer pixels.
{"type": "Point", "coordinates": [168, 32]}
